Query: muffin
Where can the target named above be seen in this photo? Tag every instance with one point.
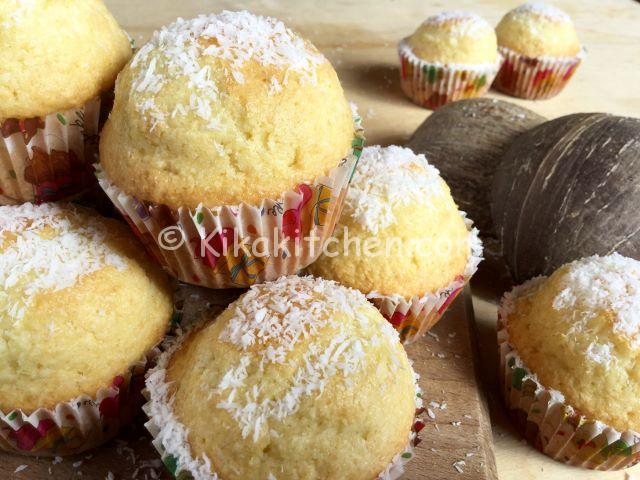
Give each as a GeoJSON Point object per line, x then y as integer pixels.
{"type": "Point", "coordinates": [569, 346]}
{"type": "Point", "coordinates": [298, 378]}
{"type": "Point", "coordinates": [541, 50]}
{"type": "Point", "coordinates": [58, 59]}
{"type": "Point", "coordinates": [238, 129]}
{"type": "Point", "coordinates": [451, 56]}
{"type": "Point", "coordinates": [401, 240]}
{"type": "Point", "coordinates": [80, 308]}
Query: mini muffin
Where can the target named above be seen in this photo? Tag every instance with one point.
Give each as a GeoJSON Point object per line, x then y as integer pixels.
{"type": "Point", "coordinates": [541, 49]}
{"type": "Point", "coordinates": [570, 355]}
{"type": "Point", "coordinates": [451, 56]}
{"type": "Point", "coordinates": [57, 59]}
{"type": "Point", "coordinates": [80, 308]}
{"type": "Point", "coordinates": [401, 240]}
{"type": "Point", "coordinates": [221, 111]}
{"type": "Point", "coordinates": [299, 378]}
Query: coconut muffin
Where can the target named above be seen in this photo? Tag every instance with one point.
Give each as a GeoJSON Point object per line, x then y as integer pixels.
{"type": "Point", "coordinates": [232, 130]}
{"type": "Point", "coordinates": [300, 378]}
{"type": "Point", "coordinates": [535, 29]}
{"type": "Point", "coordinates": [54, 39]}
{"type": "Point", "coordinates": [541, 48]}
{"type": "Point", "coordinates": [77, 292]}
{"type": "Point", "coordinates": [58, 58]}
{"type": "Point", "coordinates": [458, 50]}
{"type": "Point", "coordinates": [224, 109]}
{"type": "Point", "coordinates": [576, 335]}
{"type": "Point", "coordinates": [456, 37]}
{"type": "Point", "coordinates": [401, 233]}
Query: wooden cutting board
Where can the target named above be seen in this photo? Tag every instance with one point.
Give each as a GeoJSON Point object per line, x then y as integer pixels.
{"type": "Point", "coordinates": [456, 441]}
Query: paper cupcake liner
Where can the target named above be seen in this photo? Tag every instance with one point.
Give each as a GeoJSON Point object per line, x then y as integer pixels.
{"type": "Point", "coordinates": [49, 158]}
{"type": "Point", "coordinates": [431, 84]}
{"type": "Point", "coordinates": [237, 246]}
{"type": "Point", "coordinates": [535, 78]}
{"type": "Point", "coordinates": [413, 317]}
{"type": "Point", "coordinates": [545, 419]}
{"type": "Point", "coordinates": [170, 436]}
{"type": "Point", "coordinates": [79, 424]}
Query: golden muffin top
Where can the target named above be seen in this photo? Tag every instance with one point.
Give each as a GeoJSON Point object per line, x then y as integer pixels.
{"type": "Point", "coordinates": [76, 291]}
{"type": "Point", "coordinates": [293, 366]}
{"type": "Point", "coordinates": [400, 206]}
{"type": "Point", "coordinates": [536, 29]}
{"type": "Point", "coordinates": [455, 37]}
{"type": "Point", "coordinates": [579, 332]}
{"type": "Point", "coordinates": [224, 109]}
{"type": "Point", "coordinates": [56, 55]}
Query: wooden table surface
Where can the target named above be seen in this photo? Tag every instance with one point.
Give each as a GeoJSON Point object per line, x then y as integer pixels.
{"type": "Point", "coordinates": [360, 39]}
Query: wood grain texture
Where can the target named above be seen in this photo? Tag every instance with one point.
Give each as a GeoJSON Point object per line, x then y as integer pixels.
{"type": "Point", "coordinates": [466, 141]}
{"type": "Point", "coordinates": [445, 360]}
{"type": "Point", "coordinates": [567, 189]}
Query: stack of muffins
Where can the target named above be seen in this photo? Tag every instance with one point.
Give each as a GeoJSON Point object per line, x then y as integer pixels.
{"type": "Point", "coordinates": [229, 151]}
{"type": "Point", "coordinates": [232, 153]}
{"type": "Point", "coordinates": [532, 53]}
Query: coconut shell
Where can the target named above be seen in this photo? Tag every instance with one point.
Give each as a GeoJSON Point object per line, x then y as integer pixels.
{"type": "Point", "coordinates": [465, 140]}
{"type": "Point", "coordinates": [567, 189]}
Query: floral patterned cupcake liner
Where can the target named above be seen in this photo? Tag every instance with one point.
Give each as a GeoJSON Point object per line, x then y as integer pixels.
{"type": "Point", "coordinates": [237, 246]}
{"type": "Point", "coordinates": [431, 84]}
{"type": "Point", "coordinates": [79, 424]}
{"type": "Point", "coordinates": [170, 436]}
{"type": "Point", "coordinates": [535, 78]}
{"type": "Point", "coordinates": [545, 419]}
{"type": "Point", "coordinates": [49, 158]}
{"type": "Point", "coordinates": [413, 317]}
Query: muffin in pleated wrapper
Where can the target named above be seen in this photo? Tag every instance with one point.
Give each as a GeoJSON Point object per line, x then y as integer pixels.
{"type": "Point", "coordinates": [81, 423]}
{"type": "Point", "coordinates": [535, 78]}
{"type": "Point", "coordinates": [547, 421]}
{"type": "Point", "coordinates": [237, 246]}
{"type": "Point", "coordinates": [171, 435]}
{"type": "Point", "coordinates": [44, 159]}
{"type": "Point", "coordinates": [158, 399]}
{"type": "Point", "coordinates": [414, 249]}
{"type": "Point", "coordinates": [432, 84]}
{"type": "Point", "coordinates": [413, 317]}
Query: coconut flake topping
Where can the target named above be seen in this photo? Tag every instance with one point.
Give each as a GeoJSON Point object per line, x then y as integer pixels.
{"type": "Point", "coordinates": [275, 316]}
{"type": "Point", "coordinates": [610, 283]}
{"type": "Point", "coordinates": [386, 178]}
{"type": "Point", "coordinates": [462, 23]}
{"type": "Point", "coordinates": [540, 9]}
{"type": "Point", "coordinates": [177, 51]}
{"type": "Point", "coordinates": [43, 249]}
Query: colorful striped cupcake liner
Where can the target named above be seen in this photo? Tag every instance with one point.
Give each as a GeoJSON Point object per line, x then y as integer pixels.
{"type": "Point", "coordinates": [218, 247]}
{"type": "Point", "coordinates": [413, 317]}
{"type": "Point", "coordinates": [77, 425]}
{"type": "Point", "coordinates": [49, 158]}
{"type": "Point", "coordinates": [535, 78]}
{"type": "Point", "coordinates": [431, 84]}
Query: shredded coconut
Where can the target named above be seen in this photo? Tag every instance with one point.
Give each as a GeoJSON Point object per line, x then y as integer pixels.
{"type": "Point", "coordinates": [462, 23]}
{"type": "Point", "coordinates": [177, 51]}
{"type": "Point", "coordinates": [45, 248]}
{"type": "Point", "coordinates": [549, 12]}
{"type": "Point", "coordinates": [21, 8]}
{"type": "Point", "coordinates": [601, 353]}
{"type": "Point", "coordinates": [385, 178]}
{"type": "Point", "coordinates": [276, 315]}
{"type": "Point", "coordinates": [610, 283]}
